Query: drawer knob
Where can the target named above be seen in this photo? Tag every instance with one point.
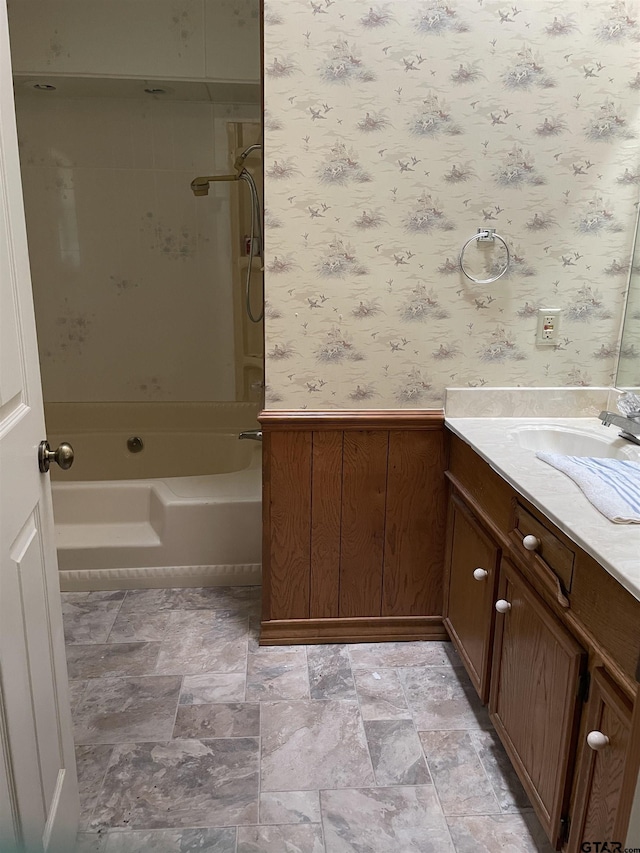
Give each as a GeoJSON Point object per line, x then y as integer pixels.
{"type": "Point", "coordinates": [596, 740]}
{"type": "Point", "coordinates": [531, 543]}
{"type": "Point", "coordinates": [480, 574]}
{"type": "Point", "coordinates": [503, 606]}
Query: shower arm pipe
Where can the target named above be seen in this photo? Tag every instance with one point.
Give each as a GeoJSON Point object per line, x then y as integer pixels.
{"type": "Point", "coordinates": [201, 182]}
{"type": "Point", "coordinates": [239, 161]}
{"type": "Point", "coordinates": [221, 178]}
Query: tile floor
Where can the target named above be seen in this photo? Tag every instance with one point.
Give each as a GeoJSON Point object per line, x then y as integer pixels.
{"type": "Point", "coordinates": [190, 737]}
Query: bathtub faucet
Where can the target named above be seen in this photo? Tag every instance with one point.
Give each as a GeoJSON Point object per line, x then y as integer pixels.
{"type": "Point", "coordinates": [252, 434]}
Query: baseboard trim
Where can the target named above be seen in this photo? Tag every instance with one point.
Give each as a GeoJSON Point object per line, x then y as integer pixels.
{"type": "Point", "coordinates": [277, 632]}
{"type": "Point", "coordinates": [161, 577]}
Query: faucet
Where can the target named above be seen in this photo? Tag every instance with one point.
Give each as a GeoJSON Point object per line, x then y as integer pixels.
{"type": "Point", "coordinates": [256, 435]}
{"type": "Point", "coordinates": [629, 424]}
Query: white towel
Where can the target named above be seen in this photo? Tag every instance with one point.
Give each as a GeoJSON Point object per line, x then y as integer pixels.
{"type": "Point", "coordinates": [612, 485]}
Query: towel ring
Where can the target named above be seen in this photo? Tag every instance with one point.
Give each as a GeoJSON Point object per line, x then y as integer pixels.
{"type": "Point", "coordinates": [490, 235]}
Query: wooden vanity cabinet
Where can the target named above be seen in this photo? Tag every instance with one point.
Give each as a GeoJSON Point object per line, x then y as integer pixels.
{"type": "Point", "coordinates": [558, 662]}
{"type": "Point", "coordinates": [603, 750]}
{"type": "Point", "coordinates": [535, 700]}
{"type": "Point", "coordinates": [471, 566]}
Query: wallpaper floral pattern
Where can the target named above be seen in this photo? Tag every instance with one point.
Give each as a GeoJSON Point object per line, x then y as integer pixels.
{"type": "Point", "coordinates": [393, 132]}
{"type": "Point", "coordinates": [628, 375]}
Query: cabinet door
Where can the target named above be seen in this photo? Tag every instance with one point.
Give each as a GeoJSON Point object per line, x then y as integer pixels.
{"type": "Point", "coordinates": [603, 752]}
{"type": "Point", "coordinates": [534, 695]}
{"type": "Point", "coordinates": [469, 612]}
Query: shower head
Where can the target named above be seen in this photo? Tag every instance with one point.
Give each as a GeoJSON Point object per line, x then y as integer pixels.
{"type": "Point", "coordinates": [200, 186]}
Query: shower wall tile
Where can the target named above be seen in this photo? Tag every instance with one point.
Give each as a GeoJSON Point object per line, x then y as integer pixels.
{"type": "Point", "coordinates": [181, 136]}
{"type": "Point", "coordinates": [224, 113]}
{"type": "Point", "coordinates": [155, 38]}
{"type": "Point", "coordinates": [78, 141]}
{"type": "Point", "coordinates": [32, 114]}
{"type": "Point", "coordinates": [394, 131]}
{"type": "Point", "coordinates": [103, 205]}
{"type": "Point", "coordinates": [121, 251]}
{"type": "Point", "coordinates": [49, 186]}
{"type": "Point", "coordinates": [232, 30]}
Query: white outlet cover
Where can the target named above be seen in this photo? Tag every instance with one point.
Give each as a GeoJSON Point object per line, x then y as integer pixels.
{"type": "Point", "coordinates": [547, 337]}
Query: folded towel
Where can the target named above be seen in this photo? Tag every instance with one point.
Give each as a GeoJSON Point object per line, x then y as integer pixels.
{"type": "Point", "coordinates": [612, 485]}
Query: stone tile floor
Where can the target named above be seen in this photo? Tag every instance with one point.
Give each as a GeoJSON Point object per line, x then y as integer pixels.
{"type": "Point", "coordinates": [190, 737]}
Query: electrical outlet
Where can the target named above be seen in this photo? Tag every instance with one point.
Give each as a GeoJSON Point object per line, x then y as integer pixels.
{"type": "Point", "coordinates": [548, 322]}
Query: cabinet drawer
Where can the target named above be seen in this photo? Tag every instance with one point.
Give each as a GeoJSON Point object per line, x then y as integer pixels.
{"type": "Point", "coordinates": [550, 558]}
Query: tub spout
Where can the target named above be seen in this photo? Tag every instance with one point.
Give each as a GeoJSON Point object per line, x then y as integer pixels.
{"type": "Point", "coordinates": [252, 434]}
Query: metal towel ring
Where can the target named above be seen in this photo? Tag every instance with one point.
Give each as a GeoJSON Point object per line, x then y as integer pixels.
{"type": "Point", "coordinates": [489, 235]}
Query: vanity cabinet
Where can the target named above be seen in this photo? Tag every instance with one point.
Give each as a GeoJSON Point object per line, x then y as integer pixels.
{"type": "Point", "coordinates": [535, 695]}
{"type": "Point", "coordinates": [472, 561]}
{"type": "Point", "coordinates": [604, 746]}
{"type": "Point", "coordinates": [551, 641]}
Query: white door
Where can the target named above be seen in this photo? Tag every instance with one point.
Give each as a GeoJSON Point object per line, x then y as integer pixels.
{"type": "Point", "coordinates": [38, 786]}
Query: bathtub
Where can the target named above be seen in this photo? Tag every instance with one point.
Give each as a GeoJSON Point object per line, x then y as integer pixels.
{"type": "Point", "coordinates": [185, 510]}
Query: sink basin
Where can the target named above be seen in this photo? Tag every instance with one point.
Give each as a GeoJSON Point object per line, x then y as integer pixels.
{"type": "Point", "coordinates": [573, 442]}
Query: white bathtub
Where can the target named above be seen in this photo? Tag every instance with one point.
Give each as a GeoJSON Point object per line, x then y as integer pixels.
{"type": "Point", "coordinates": [185, 511]}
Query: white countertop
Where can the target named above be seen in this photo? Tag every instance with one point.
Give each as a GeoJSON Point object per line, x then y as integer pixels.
{"type": "Point", "coordinates": [615, 546]}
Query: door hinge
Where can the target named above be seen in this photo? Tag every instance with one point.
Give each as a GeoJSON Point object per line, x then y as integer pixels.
{"type": "Point", "coordinates": [565, 827]}
{"type": "Point", "coordinates": [583, 686]}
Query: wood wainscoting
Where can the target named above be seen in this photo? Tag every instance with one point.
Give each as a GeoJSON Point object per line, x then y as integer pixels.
{"type": "Point", "coordinates": [354, 507]}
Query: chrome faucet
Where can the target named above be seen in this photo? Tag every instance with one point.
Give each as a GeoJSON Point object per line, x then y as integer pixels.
{"type": "Point", "coordinates": [629, 424]}
{"type": "Point", "coordinates": [252, 434]}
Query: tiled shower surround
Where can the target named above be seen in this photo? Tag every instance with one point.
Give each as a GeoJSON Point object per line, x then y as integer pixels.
{"type": "Point", "coordinates": [132, 275]}
{"type": "Point", "coordinates": [393, 132]}
{"type": "Point", "coordinates": [192, 737]}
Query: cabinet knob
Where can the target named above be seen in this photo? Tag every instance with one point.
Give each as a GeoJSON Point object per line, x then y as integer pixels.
{"type": "Point", "coordinates": [596, 740]}
{"type": "Point", "coordinates": [480, 574]}
{"type": "Point", "coordinates": [503, 606]}
{"type": "Point", "coordinates": [531, 543]}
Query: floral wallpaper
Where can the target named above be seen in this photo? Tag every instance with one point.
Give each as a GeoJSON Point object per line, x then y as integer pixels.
{"type": "Point", "coordinates": [628, 375]}
{"type": "Point", "coordinates": [393, 132]}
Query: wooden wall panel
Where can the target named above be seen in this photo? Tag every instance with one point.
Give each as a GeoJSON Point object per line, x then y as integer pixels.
{"type": "Point", "coordinates": [289, 517]}
{"type": "Point", "coordinates": [364, 480]}
{"type": "Point", "coordinates": [352, 535]}
{"type": "Point", "coordinates": [415, 524]}
{"type": "Point", "coordinates": [326, 497]}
